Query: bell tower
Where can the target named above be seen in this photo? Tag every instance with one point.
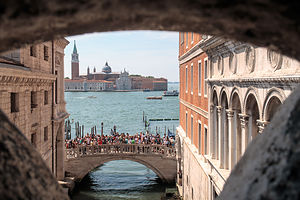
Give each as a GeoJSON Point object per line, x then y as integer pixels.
{"type": "Point", "coordinates": [75, 62]}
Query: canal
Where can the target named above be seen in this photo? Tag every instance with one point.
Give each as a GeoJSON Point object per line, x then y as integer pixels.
{"type": "Point", "coordinates": [122, 180]}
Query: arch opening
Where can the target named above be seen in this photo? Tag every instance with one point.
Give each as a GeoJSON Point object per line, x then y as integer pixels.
{"type": "Point", "coordinates": [120, 177]}
{"type": "Point", "coordinates": [165, 175]}
{"type": "Point", "coordinates": [253, 112]}
{"type": "Point", "coordinates": [224, 130]}
{"type": "Point", "coordinates": [272, 107]}
{"type": "Point", "coordinates": [237, 131]}
{"type": "Point", "coordinates": [214, 131]}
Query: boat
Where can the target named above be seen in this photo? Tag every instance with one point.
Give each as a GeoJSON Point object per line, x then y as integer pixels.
{"type": "Point", "coordinates": [146, 90]}
{"type": "Point", "coordinates": [157, 98]}
{"type": "Point", "coordinates": [171, 93]}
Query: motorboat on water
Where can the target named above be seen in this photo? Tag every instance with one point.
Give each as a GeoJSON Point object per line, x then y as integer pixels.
{"type": "Point", "coordinates": [157, 98]}
{"type": "Point", "coordinates": [171, 93]}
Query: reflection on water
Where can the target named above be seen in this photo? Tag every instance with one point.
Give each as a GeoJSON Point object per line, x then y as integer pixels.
{"type": "Point", "coordinates": [120, 180]}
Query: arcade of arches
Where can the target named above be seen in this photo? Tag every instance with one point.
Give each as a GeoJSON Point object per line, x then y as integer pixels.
{"type": "Point", "coordinates": [246, 89]}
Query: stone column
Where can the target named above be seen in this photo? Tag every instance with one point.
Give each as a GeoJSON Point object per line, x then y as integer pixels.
{"type": "Point", "coordinates": [221, 137]}
{"type": "Point", "coordinates": [226, 138]}
{"type": "Point", "coordinates": [261, 125]}
{"type": "Point", "coordinates": [245, 131]}
{"type": "Point", "coordinates": [60, 152]}
{"type": "Point", "coordinates": [232, 139]}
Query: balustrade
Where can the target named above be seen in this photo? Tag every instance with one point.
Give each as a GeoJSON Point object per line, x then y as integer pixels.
{"type": "Point", "coordinates": [127, 149]}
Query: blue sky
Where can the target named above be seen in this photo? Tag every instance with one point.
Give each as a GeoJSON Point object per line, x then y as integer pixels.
{"type": "Point", "coordinates": [149, 53]}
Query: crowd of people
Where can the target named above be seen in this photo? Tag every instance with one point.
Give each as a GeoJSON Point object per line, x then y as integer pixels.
{"type": "Point", "coordinates": [116, 138]}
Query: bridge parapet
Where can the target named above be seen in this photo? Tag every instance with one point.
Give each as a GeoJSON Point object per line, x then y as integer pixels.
{"type": "Point", "coordinates": [126, 149]}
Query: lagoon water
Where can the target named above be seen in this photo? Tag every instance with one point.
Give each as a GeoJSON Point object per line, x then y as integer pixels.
{"type": "Point", "coordinates": [122, 180]}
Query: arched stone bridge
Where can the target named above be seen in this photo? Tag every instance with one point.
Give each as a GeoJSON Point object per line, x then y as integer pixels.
{"type": "Point", "coordinates": [159, 158]}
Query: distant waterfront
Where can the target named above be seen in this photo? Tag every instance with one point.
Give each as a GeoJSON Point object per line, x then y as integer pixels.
{"type": "Point", "coordinates": [121, 179]}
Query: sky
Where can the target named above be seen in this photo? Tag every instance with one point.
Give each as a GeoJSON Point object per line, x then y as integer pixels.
{"type": "Point", "coordinates": [148, 53]}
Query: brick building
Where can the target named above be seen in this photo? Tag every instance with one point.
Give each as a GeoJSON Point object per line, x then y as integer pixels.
{"type": "Point", "coordinates": [149, 83]}
{"type": "Point", "coordinates": [32, 96]}
{"type": "Point", "coordinates": [193, 129]}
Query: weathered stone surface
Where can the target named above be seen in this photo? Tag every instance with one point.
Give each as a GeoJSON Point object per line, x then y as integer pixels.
{"type": "Point", "coordinates": [265, 23]}
{"type": "Point", "coordinates": [23, 173]}
{"type": "Point", "coordinates": [269, 168]}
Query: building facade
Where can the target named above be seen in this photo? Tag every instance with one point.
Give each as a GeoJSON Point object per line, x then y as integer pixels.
{"type": "Point", "coordinates": [83, 85]}
{"type": "Point", "coordinates": [149, 83]}
{"type": "Point", "coordinates": [244, 86]}
{"type": "Point", "coordinates": [193, 129]}
{"type": "Point", "coordinates": [32, 96]}
{"type": "Point", "coordinates": [123, 82]}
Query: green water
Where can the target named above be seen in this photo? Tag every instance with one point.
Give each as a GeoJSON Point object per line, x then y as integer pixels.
{"type": "Point", "coordinates": [121, 179]}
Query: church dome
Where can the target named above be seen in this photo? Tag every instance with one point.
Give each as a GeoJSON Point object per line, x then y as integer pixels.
{"type": "Point", "coordinates": [106, 69]}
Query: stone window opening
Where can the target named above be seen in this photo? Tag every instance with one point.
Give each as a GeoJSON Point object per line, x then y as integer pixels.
{"type": "Point", "coordinates": [46, 97]}
{"type": "Point", "coordinates": [187, 180]}
{"type": "Point", "coordinates": [199, 137]}
{"type": "Point", "coordinates": [186, 79]}
{"type": "Point", "coordinates": [46, 53]}
{"type": "Point", "coordinates": [33, 139]}
{"type": "Point", "coordinates": [205, 141]}
{"type": "Point", "coordinates": [205, 77]}
{"type": "Point", "coordinates": [33, 51]}
{"type": "Point", "coordinates": [181, 38]}
{"type": "Point", "coordinates": [14, 102]}
{"type": "Point", "coordinates": [187, 39]}
{"type": "Point", "coordinates": [199, 77]}
{"type": "Point", "coordinates": [192, 193]}
{"type": "Point", "coordinates": [45, 133]}
{"type": "Point", "coordinates": [34, 103]}
{"type": "Point", "coordinates": [186, 123]}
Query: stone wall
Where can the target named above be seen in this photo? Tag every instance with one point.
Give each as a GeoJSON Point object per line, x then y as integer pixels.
{"type": "Point", "coordinates": [33, 78]}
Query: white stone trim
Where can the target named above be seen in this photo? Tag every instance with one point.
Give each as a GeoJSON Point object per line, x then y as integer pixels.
{"type": "Point", "coordinates": [195, 108]}
{"type": "Point", "coordinates": [193, 52]}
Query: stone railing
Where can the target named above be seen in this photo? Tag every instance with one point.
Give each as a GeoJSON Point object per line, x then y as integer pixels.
{"type": "Point", "coordinates": [121, 149]}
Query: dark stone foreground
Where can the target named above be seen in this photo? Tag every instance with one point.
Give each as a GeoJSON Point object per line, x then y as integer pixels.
{"type": "Point", "coordinates": [23, 173]}
{"type": "Point", "coordinates": [275, 24]}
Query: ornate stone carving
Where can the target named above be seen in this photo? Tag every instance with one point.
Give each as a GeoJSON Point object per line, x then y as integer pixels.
{"type": "Point", "coordinates": [261, 125]}
{"type": "Point", "coordinates": [275, 59]}
{"type": "Point", "coordinates": [230, 113]}
{"type": "Point", "coordinates": [59, 57]}
{"type": "Point", "coordinates": [244, 120]}
{"type": "Point", "coordinates": [232, 63]}
{"type": "Point", "coordinates": [250, 59]}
